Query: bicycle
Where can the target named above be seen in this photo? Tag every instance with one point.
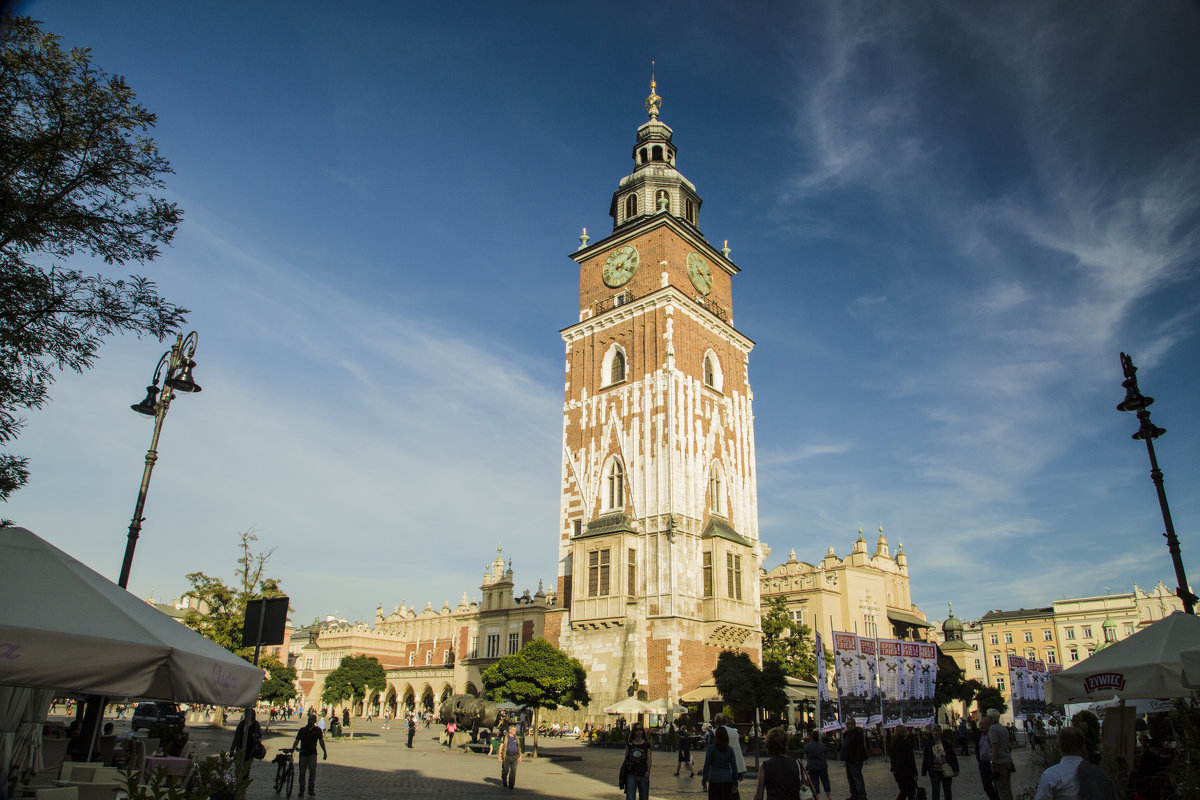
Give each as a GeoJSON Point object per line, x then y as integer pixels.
{"type": "Point", "coordinates": [285, 770]}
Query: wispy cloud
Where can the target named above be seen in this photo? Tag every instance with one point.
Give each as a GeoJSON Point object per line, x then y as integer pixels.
{"type": "Point", "coordinates": [1039, 276]}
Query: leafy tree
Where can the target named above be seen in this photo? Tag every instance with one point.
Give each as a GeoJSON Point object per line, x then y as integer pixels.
{"type": "Point", "coordinates": [952, 685]}
{"type": "Point", "coordinates": [78, 176]}
{"type": "Point", "coordinates": [351, 679]}
{"type": "Point", "coordinates": [222, 611]}
{"type": "Point", "coordinates": [743, 685]}
{"type": "Point", "coordinates": [990, 697]}
{"type": "Point", "coordinates": [788, 643]}
{"type": "Point", "coordinates": [540, 676]}
{"type": "Point", "coordinates": [280, 685]}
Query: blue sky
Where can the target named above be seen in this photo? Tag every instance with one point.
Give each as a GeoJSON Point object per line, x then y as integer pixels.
{"type": "Point", "coordinates": [950, 219]}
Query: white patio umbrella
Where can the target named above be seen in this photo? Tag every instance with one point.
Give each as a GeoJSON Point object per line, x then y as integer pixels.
{"type": "Point", "coordinates": [1145, 665]}
{"type": "Point", "coordinates": [1190, 660]}
{"type": "Point", "coordinates": [630, 705]}
{"type": "Point", "coordinates": [66, 627]}
{"type": "Point", "coordinates": [665, 708]}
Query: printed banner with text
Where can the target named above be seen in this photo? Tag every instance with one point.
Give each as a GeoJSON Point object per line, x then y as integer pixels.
{"type": "Point", "coordinates": [826, 716]}
{"type": "Point", "coordinates": [850, 675]}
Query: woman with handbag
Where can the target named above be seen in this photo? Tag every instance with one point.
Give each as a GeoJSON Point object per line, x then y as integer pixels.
{"type": "Point", "coordinates": [940, 763]}
{"type": "Point", "coordinates": [781, 777]}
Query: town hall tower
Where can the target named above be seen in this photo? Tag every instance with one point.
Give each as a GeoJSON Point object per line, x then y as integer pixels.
{"type": "Point", "coordinates": [658, 553]}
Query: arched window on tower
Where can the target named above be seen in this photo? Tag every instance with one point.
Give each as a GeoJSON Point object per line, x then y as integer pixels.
{"type": "Point", "coordinates": [689, 210]}
{"type": "Point", "coordinates": [642, 156]}
{"type": "Point", "coordinates": [616, 485]}
{"type": "Point", "coordinates": [713, 377]}
{"type": "Point", "coordinates": [657, 153]}
{"type": "Point", "coordinates": [631, 206]}
{"type": "Point", "coordinates": [716, 494]}
{"type": "Point", "coordinates": [614, 367]}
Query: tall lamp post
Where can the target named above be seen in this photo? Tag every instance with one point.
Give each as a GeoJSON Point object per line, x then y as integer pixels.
{"type": "Point", "coordinates": [179, 365]}
{"type": "Point", "coordinates": [1136, 401]}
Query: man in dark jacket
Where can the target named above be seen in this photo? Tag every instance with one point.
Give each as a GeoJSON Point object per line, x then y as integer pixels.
{"type": "Point", "coordinates": [854, 753]}
{"type": "Point", "coordinates": [904, 765]}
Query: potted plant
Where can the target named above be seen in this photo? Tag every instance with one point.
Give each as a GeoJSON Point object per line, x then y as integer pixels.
{"type": "Point", "coordinates": [222, 777]}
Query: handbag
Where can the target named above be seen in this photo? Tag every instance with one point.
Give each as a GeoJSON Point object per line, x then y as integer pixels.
{"type": "Point", "coordinates": [948, 770]}
{"type": "Point", "coordinates": [806, 791]}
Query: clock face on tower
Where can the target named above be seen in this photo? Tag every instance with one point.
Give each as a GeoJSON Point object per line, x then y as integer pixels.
{"type": "Point", "coordinates": [620, 266]}
{"type": "Point", "coordinates": [700, 273]}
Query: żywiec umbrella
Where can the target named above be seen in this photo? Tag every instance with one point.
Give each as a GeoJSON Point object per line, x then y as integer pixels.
{"type": "Point", "coordinates": [1145, 665]}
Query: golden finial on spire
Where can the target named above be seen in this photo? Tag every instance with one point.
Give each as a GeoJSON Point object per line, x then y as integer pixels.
{"type": "Point", "coordinates": [653, 101]}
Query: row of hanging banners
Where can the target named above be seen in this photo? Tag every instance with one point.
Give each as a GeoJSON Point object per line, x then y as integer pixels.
{"type": "Point", "coordinates": [892, 682]}
{"type": "Point", "coordinates": [1027, 679]}
{"type": "Point", "coordinates": [884, 681]}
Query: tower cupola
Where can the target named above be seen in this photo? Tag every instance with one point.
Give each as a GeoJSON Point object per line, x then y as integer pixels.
{"type": "Point", "coordinates": [655, 186]}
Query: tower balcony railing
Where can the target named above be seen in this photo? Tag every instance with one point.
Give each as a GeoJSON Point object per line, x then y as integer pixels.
{"type": "Point", "coordinates": [718, 311]}
{"type": "Point", "coordinates": [613, 301]}
{"type": "Point", "coordinates": [627, 296]}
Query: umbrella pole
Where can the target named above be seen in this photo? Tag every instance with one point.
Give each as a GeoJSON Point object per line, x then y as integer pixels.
{"type": "Point", "coordinates": [93, 718]}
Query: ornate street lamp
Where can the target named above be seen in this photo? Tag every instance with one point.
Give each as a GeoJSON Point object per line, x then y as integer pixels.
{"type": "Point", "coordinates": [1137, 402]}
{"type": "Point", "coordinates": [179, 365]}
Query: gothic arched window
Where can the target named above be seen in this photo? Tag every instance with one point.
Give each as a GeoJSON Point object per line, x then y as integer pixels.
{"type": "Point", "coordinates": [615, 485]}
{"type": "Point", "coordinates": [716, 495]}
{"type": "Point", "coordinates": [713, 377]}
{"type": "Point", "coordinates": [689, 210]}
{"type": "Point", "coordinates": [614, 367]}
{"type": "Point", "coordinates": [631, 206]}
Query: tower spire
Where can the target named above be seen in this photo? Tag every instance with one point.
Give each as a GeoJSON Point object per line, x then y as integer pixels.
{"type": "Point", "coordinates": [653, 101]}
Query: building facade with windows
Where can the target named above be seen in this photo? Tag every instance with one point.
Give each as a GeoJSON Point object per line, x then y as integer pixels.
{"type": "Point", "coordinates": [431, 654]}
{"type": "Point", "coordinates": [863, 592]}
{"type": "Point", "coordinates": [1087, 624]}
{"type": "Point", "coordinates": [1026, 632]}
{"type": "Point", "coordinates": [658, 550]}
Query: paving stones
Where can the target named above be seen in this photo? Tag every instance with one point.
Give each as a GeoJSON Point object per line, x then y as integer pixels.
{"type": "Point", "coordinates": [376, 765]}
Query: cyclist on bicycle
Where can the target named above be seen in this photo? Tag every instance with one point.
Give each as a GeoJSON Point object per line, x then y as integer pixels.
{"type": "Point", "coordinates": [307, 738]}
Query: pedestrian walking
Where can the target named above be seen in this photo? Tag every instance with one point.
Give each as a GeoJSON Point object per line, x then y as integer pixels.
{"type": "Point", "coordinates": [636, 767]}
{"type": "Point", "coordinates": [939, 763]}
{"type": "Point", "coordinates": [780, 777]}
{"type": "Point", "coordinates": [307, 739]}
{"type": "Point", "coordinates": [1000, 752]}
{"type": "Point", "coordinates": [854, 754]}
{"type": "Point", "coordinates": [509, 756]}
{"type": "Point", "coordinates": [816, 762]}
{"type": "Point", "coordinates": [249, 733]}
{"type": "Point", "coordinates": [904, 765]}
{"type": "Point", "coordinates": [685, 749]}
{"type": "Point", "coordinates": [963, 735]}
{"type": "Point", "coordinates": [412, 728]}
{"type": "Point", "coordinates": [984, 756]}
{"type": "Point", "coordinates": [735, 744]}
{"type": "Point", "coordinates": [720, 767]}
